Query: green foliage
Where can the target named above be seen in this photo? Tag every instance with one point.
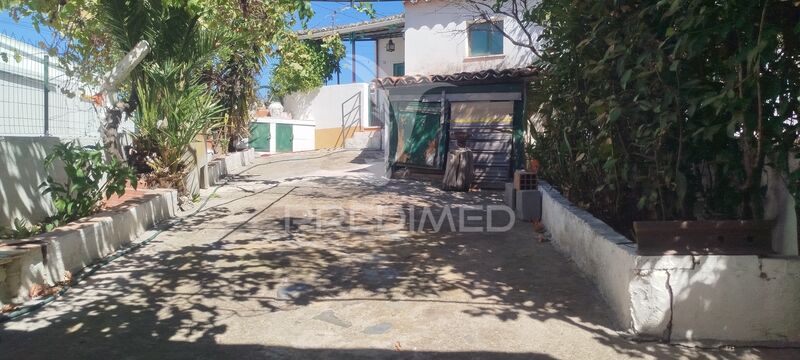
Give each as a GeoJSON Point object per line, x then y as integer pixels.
{"type": "Point", "coordinates": [667, 109]}
{"type": "Point", "coordinates": [306, 64]}
{"type": "Point", "coordinates": [21, 229]}
{"type": "Point", "coordinates": [365, 8]}
{"type": "Point", "coordinates": [92, 35]}
{"type": "Point", "coordinates": [174, 107]}
{"type": "Point", "coordinates": [88, 180]}
{"type": "Point", "coordinates": [173, 110]}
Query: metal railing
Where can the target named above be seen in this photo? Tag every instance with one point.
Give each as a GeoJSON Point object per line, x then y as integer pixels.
{"type": "Point", "coordinates": [351, 118]}
{"type": "Point", "coordinates": [38, 98]}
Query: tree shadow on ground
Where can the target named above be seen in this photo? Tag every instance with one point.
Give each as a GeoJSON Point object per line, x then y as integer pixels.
{"type": "Point", "coordinates": [181, 297]}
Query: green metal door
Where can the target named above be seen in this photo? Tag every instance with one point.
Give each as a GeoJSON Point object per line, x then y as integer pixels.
{"type": "Point", "coordinates": [284, 138]}
{"type": "Point", "coordinates": [259, 136]}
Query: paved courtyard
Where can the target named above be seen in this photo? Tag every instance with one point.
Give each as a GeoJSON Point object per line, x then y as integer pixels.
{"type": "Point", "coordinates": [230, 281]}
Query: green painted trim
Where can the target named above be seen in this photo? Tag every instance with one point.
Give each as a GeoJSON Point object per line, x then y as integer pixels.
{"type": "Point", "coordinates": [260, 136]}
{"type": "Point", "coordinates": [519, 135]}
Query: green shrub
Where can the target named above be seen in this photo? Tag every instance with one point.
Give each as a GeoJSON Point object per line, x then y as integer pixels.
{"type": "Point", "coordinates": [173, 109]}
{"type": "Point", "coordinates": [89, 178]}
{"type": "Point", "coordinates": [667, 109]}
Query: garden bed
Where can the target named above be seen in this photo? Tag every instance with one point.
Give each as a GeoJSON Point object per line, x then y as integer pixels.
{"type": "Point", "coordinates": [49, 258]}
{"type": "Point", "coordinates": [698, 299]}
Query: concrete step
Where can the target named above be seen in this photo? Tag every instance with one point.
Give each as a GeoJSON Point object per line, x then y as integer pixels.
{"type": "Point", "coordinates": [365, 140]}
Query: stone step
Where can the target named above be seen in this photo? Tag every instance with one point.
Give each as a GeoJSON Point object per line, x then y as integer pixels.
{"type": "Point", "coordinates": [365, 140]}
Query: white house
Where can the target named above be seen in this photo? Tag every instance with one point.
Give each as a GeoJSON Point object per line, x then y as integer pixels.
{"type": "Point", "coordinates": [448, 37]}
{"type": "Point", "coordinates": [444, 71]}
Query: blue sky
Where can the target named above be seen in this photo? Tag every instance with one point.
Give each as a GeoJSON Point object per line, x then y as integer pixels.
{"type": "Point", "coordinates": [326, 13]}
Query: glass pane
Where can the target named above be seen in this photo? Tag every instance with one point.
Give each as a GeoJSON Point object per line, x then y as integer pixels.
{"type": "Point", "coordinates": [399, 69]}
{"type": "Point", "coordinates": [479, 40]}
{"type": "Point", "coordinates": [484, 39]}
{"type": "Point", "coordinates": [496, 42]}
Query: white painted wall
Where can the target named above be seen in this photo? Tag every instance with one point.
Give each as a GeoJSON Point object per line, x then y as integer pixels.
{"type": "Point", "coordinates": [779, 206]}
{"type": "Point", "coordinates": [386, 60]}
{"type": "Point", "coordinates": [323, 106]}
{"type": "Point", "coordinates": [702, 299]}
{"type": "Point", "coordinates": [21, 171]}
{"type": "Point", "coordinates": [436, 33]}
{"type": "Point", "coordinates": [82, 243]}
{"type": "Point", "coordinates": [303, 137]}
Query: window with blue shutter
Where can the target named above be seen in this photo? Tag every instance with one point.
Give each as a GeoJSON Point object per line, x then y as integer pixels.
{"type": "Point", "coordinates": [399, 69]}
{"type": "Point", "coordinates": [485, 39]}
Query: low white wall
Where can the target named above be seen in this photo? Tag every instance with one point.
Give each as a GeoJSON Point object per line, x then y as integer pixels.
{"type": "Point", "coordinates": [365, 140]}
{"type": "Point", "coordinates": [46, 258]}
{"type": "Point", "coordinates": [21, 171]}
{"type": "Point", "coordinates": [324, 105]}
{"type": "Point", "coordinates": [219, 168]}
{"type": "Point", "coordinates": [687, 299]}
{"type": "Point", "coordinates": [237, 160]}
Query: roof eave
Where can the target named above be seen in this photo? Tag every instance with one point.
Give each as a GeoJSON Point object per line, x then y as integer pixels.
{"type": "Point", "coordinates": [363, 27]}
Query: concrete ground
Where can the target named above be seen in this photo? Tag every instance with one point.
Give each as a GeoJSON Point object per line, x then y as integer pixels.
{"type": "Point", "coordinates": [231, 282]}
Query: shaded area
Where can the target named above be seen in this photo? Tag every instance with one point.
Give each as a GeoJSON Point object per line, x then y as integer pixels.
{"type": "Point", "coordinates": [233, 275]}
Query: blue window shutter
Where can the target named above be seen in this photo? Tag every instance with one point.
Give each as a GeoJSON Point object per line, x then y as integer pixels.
{"type": "Point", "coordinates": [399, 69]}
{"type": "Point", "coordinates": [485, 39]}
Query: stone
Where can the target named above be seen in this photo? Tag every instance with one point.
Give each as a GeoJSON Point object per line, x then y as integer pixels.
{"type": "Point", "coordinates": [509, 197]}
{"type": "Point", "coordinates": [529, 205]}
{"type": "Point", "coordinates": [293, 291]}
{"type": "Point", "coordinates": [378, 329]}
{"type": "Point", "coordinates": [330, 317]}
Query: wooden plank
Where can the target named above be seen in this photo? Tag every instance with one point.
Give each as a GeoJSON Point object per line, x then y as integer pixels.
{"type": "Point", "coordinates": [458, 175]}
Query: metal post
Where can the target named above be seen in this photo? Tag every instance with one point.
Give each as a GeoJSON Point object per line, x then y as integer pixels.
{"type": "Point", "coordinates": [353, 54]}
{"type": "Point", "coordinates": [46, 91]}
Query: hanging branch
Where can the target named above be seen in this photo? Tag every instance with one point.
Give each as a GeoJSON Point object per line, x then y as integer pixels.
{"type": "Point", "coordinates": [518, 13]}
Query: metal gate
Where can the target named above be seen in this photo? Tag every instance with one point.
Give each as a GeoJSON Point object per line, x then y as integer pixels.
{"type": "Point", "coordinates": [488, 128]}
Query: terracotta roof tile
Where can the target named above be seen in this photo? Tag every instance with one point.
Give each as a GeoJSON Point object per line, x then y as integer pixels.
{"type": "Point", "coordinates": [477, 76]}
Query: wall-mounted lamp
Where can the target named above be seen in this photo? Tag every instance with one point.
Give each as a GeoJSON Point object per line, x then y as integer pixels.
{"type": "Point", "coordinates": [390, 46]}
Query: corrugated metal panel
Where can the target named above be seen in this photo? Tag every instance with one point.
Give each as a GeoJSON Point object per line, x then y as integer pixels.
{"type": "Point", "coordinates": [488, 129]}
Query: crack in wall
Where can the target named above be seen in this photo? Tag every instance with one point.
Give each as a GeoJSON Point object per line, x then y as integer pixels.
{"type": "Point", "coordinates": [668, 330]}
